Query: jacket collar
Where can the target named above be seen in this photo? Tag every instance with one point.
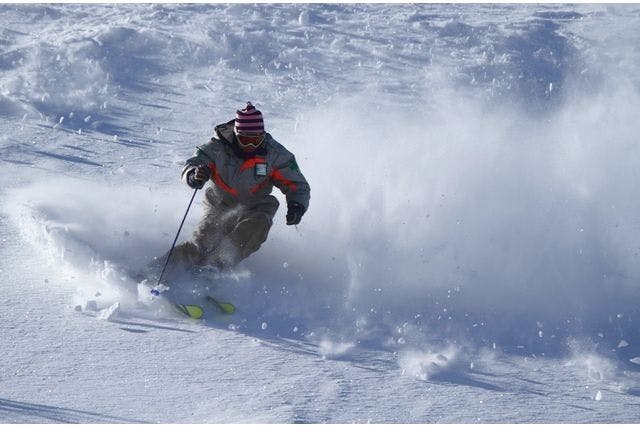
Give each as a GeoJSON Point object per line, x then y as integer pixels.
{"type": "Point", "coordinates": [227, 136]}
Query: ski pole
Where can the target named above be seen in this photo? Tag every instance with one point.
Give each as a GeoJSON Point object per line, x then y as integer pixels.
{"type": "Point", "coordinates": [155, 290]}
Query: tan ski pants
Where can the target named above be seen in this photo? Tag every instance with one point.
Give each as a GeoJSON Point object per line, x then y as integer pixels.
{"type": "Point", "coordinates": [226, 235]}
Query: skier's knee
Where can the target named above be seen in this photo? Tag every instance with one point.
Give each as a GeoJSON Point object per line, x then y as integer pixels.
{"type": "Point", "coordinates": [254, 229]}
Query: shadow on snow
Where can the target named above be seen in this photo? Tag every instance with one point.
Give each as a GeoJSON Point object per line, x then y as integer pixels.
{"type": "Point", "coordinates": [14, 411]}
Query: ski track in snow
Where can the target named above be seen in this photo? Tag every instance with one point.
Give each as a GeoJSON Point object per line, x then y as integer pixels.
{"type": "Point", "coordinates": [470, 253]}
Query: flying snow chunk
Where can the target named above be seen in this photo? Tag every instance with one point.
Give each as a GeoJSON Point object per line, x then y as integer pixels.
{"type": "Point", "coordinates": [329, 349]}
{"type": "Point", "coordinates": [423, 365]}
{"type": "Point", "coordinates": [635, 360]}
{"type": "Point", "coordinates": [303, 19]}
{"type": "Point", "coordinates": [108, 313]}
{"type": "Point", "coordinates": [623, 343]}
{"type": "Point", "coordinates": [598, 397]}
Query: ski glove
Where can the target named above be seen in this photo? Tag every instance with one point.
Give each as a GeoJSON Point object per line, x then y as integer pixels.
{"type": "Point", "coordinates": [196, 178]}
{"type": "Point", "coordinates": [294, 213]}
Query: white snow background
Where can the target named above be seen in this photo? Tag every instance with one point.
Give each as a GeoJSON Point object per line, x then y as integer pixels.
{"type": "Point", "coordinates": [471, 249]}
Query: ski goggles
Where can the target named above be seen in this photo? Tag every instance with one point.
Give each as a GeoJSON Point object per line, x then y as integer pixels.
{"type": "Point", "coordinates": [249, 141]}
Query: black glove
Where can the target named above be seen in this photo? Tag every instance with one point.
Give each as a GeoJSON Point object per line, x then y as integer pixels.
{"type": "Point", "coordinates": [294, 213]}
{"type": "Point", "coordinates": [196, 178]}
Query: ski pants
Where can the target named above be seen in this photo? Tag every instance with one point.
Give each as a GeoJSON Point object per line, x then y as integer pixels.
{"type": "Point", "coordinates": [227, 233]}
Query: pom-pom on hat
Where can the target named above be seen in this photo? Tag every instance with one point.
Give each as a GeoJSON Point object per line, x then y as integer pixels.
{"type": "Point", "coordinates": [249, 120]}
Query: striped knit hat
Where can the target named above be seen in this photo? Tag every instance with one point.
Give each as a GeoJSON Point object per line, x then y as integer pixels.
{"type": "Point", "coordinates": [249, 120]}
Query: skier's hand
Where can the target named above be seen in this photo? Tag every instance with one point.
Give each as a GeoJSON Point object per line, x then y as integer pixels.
{"type": "Point", "coordinates": [294, 213]}
{"type": "Point", "coordinates": [198, 177]}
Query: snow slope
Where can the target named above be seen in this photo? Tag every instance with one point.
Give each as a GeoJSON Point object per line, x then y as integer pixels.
{"type": "Point", "coordinates": [471, 242]}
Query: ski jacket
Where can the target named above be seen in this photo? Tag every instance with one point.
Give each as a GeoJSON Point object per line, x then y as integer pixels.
{"type": "Point", "coordinates": [247, 178]}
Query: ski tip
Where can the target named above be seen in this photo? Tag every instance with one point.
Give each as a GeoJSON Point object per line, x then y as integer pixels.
{"type": "Point", "coordinates": [193, 311]}
{"type": "Point", "coordinates": [225, 307]}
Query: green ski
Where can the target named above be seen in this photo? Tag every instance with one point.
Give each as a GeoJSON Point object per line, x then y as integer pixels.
{"type": "Point", "coordinates": [191, 310]}
{"type": "Point", "coordinates": [196, 312]}
{"type": "Point", "coordinates": [225, 307]}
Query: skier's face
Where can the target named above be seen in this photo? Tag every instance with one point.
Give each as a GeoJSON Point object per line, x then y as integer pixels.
{"type": "Point", "coordinates": [249, 141]}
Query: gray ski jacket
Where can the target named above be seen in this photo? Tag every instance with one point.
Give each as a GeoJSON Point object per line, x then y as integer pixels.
{"type": "Point", "coordinates": [246, 178]}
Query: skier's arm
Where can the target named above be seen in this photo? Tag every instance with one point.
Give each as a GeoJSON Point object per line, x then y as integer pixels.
{"type": "Point", "coordinates": [288, 178]}
{"type": "Point", "coordinates": [196, 170]}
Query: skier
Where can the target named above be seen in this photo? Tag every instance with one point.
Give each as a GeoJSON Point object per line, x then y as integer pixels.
{"type": "Point", "coordinates": [244, 163]}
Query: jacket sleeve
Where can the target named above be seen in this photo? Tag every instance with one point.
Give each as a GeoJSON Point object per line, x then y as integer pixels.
{"type": "Point", "coordinates": [287, 177]}
{"type": "Point", "coordinates": [202, 157]}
